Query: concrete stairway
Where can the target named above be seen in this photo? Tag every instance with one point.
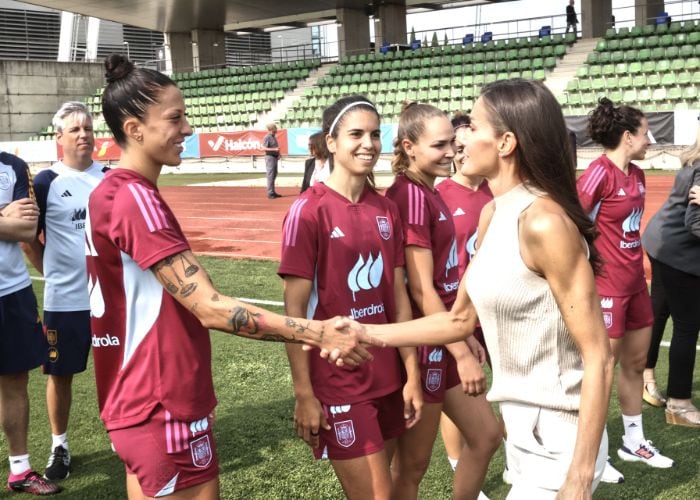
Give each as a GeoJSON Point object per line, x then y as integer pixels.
{"type": "Point", "coordinates": [281, 108]}
{"type": "Point", "coordinates": [566, 69]}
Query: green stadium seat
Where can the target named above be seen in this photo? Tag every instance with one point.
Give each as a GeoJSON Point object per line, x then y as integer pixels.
{"type": "Point", "coordinates": [668, 79]}
{"type": "Point", "coordinates": [663, 65]}
{"type": "Point", "coordinates": [611, 82]}
{"type": "Point", "coordinates": [592, 58]}
{"type": "Point", "coordinates": [677, 65]}
{"type": "Point", "coordinates": [674, 94]}
{"type": "Point", "coordinates": [684, 78]}
{"type": "Point", "coordinates": [690, 93]}
{"type": "Point", "coordinates": [597, 84]}
{"type": "Point", "coordinates": [610, 33]}
{"type": "Point", "coordinates": [634, 68]}
{"type": "Point", "coordinates": [572, 85]}
{"type": "Point", "coordinates": [666, 40]}
{"type": "Point", "coordinates": [604, 58]}
{"type": "Point", "coordinates": [658, 95]}
{"type": "Point", "coordinates": [573, 98]}
{"type": "Point", "coordinates": [613, 45]}
{"type": "Point", "coordinates": [601, 46]}
{"type": "Point", "coordinates": [692, 64]}
{"type": "Point", "coordinates": [624, 82]}
{"type": "Point", "coordinates": [653, 80]}
{"type": "Point", "coordinates": [588, 100]}
{"type": "Point", "coordinates": [582, 71]}
{"type": "Point", "coordinates": [629, 96]}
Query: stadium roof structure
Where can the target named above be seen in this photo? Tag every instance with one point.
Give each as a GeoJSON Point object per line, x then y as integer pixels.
{"type": "Point", "coordinates": [177, 16]}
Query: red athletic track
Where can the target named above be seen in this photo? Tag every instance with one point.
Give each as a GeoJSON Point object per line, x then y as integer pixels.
{"type": "Point", "coordinates": [240, 222]}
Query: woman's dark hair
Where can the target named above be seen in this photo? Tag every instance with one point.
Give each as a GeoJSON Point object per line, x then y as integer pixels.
{"type": "Point", "coordinates": [460, 119]}
{"type": "Point", "coordinates": [607, 123]}
{"type": "Point", "coordinates": [129, 92]}
{"type": "Point", "coordinates": [411, 126]}
{"type": "Point", "coordinates": [543, 153]}
{"type": "Point", "coordinates": [335, 114]}
{"type": "Point", "coordinates": [317, 146]}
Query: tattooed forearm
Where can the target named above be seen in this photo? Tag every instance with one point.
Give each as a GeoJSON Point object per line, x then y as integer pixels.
{"type": "Point", "coordinates": [193, 308]}
{"type": "Point", "coordinates": [244, 320]}
{"type": "Point", "coordinates": [271, 337]}
{"type": "Point", "coordinates": [302, 329]}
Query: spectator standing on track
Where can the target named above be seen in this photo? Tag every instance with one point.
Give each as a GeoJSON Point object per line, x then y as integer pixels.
{"type": "Point", "coordinates": [58, 253]}
{"type": "Point", "coordinates": [571, 18]}
{"type": "Point", "coordinates": [319, 167]}
{"type": "Point", "coordinates": [672, 241]}
{"type": "Point", "coordinates": [272, 157]}
{"type": "Point", "coordinates": [465, 196]}
{"type": "Point", "coordinates": [342, 254]}
{"type": "Point", "coordinates": [531, 285]}
{"type": "Point", "coordinates": [612, 192]}
{"type": "Point", "coordinates": [151, 302]}
{"type": "Point", "coordinates": [22, 343]}
{"type": "Point", "coordinates": [423, 151]}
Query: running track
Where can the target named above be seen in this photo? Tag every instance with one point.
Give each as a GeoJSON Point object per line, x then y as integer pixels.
{"type": "Point", "coordinates": [241, 223]}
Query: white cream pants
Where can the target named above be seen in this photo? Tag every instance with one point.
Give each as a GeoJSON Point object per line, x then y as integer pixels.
{"type": "Point", "coordinates": [539, 450]}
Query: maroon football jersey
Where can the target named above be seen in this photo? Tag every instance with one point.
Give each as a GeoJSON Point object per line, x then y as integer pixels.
{"type": "Point", "coordinates": [148, 349]}
{"type": "Point", "coordinates": [349, 251]}
{"type": "Point", "coordinates": [465, 205]}
{"type": "Point", "coordinates": [427, 223]}
{"type": "Point", "coordinates": [615, 202]}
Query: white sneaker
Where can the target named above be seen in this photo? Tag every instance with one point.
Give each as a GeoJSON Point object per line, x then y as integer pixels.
{"type": "Point", "coordinates": [647, 453]}
{"type": "Point", "coordinates": [611, 474]}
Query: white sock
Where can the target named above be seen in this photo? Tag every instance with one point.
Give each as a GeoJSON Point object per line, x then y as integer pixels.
{"type": "Point", "coordinates": [19, 464]}
{"type": "Point", "coordinates": [634, 432]}
{"type": "Point", "coordinates": [453, 462]}
{"type": "Point", "coordinates": [59, 440]}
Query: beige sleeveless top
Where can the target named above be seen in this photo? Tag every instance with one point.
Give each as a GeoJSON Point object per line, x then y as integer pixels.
{"type": "Point", "coordinates": [535, 360]}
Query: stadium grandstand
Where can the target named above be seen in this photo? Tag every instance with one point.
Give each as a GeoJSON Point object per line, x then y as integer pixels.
{"type": "Point", "coordinates": [241, 67]}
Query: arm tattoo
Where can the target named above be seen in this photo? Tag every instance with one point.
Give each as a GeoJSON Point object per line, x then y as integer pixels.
{"type": "Point", "coordinates": [242, 319]}
{"type": "Point", "coordinates": [168, 271]}
{"type": "Point", "coordinates": [302, 329]}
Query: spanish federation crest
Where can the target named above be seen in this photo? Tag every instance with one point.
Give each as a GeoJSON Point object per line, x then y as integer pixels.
{"type": "Point", "coordinates": [4, 181]}
{"type": "Point", "coordinates": [384, 227]}
{"type": "Point", "coordinates": [607, 319]}
{"type": "Point", "coordinates": [433, 379]}
{"type": "Point", "coordinates": [345, 433]}
{"type": "Point", "coordinates": [201, 452]}
{"type": "Point", "coordinates": [52, 337]}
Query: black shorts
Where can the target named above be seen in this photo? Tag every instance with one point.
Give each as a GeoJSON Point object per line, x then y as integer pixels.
{"type": "Point", "coordinates": [22, 342]}
{"type": "Point", "coordinates": [68, 338]}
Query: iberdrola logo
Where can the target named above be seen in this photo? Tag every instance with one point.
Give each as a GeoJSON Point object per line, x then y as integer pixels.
{"type": "Point", "coordinates": [452, 259]}
{"type": "Point", "coordinates": [366, 275]}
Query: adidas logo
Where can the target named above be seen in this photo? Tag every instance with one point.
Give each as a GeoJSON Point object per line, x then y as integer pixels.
{"type": "Point", "coordinates": [621, 192]}
{"type": "Point", "coordinates": [459, 211]}
{"type": "Point", "coordinates": [66, 194]}
{"type": "Point", "coordinates": [442, 217]}
{"type": "Point", "coordinates": [337, 233]}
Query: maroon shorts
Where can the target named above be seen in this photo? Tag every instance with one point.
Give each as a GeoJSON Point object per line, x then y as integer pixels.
{"type": "Point", "coordinates": [631, 312]}
{"type": "Point", "coordinates": [438, 372]}
{"type": "Point", "coordinates": [360, 429]}
{"type": "Point", "coordinates": [167, 455]}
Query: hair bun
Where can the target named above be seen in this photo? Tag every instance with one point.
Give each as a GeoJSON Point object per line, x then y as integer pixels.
{"type": "Point", "coordinates": [407, 104]}
{"type": "Point", "coordinates": [117, 67]}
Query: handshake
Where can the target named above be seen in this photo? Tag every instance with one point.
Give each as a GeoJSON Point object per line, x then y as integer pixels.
{"type": "Point", "coordinates": [344, 341]}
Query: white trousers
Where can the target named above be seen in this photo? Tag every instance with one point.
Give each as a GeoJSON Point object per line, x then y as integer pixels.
{"type": "Point", "coordinates": [539, 449]}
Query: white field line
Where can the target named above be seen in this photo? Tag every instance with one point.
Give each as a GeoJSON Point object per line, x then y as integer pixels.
{"type": "Point", "coordinates": [664, 343]}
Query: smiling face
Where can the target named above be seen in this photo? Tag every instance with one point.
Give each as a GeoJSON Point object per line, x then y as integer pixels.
{"type": "Point", "coordinates": [77, 140]}
{"type": "Point", "coordinates": [461, 156]}
{"type": "Point", "coordinates": [431, 155]}
{"type": "Point", "coordinates": [165, 128]}
{"type": "Point", "coordinates": [358, 142]}
{"type": "Point", "coordinates": [638, 142]}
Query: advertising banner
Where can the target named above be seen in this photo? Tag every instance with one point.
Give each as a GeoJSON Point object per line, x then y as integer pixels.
{"type": "Point", "coordinates": [298, 140]}
{"type": "Point", "coordinates": [105, 150]}
{"type": "Point", "coordinates": [191, 147]}
{"type": "Point", "coordinates": [243, 143]}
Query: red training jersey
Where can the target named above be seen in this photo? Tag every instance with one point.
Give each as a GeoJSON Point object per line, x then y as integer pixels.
{"type": "Point", "coordinates": [148, 349]}
{"type": "Point", "coordinates": [350, 251]}
{"type": "Point", "coordinates": [465, 204]}
{"type": "Point", "coordinates": [427, 223]}
{"type": "Point", "coordinates": [615, 202]}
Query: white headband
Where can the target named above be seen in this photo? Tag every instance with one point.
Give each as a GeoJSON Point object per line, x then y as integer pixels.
{"type": "Point", "coordinates": [344, 110]}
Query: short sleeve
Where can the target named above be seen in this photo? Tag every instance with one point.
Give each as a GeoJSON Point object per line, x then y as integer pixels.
{"type": "Point", "coordinates": [21, 187]}
{"type": "Point", "coordinates": [300, 240]}
{"type": "Point", "coordinates": [143, 226]}
{"type": "Point", "coordinates": [415, 215]}
{"type": "Point", "coordinates": [591, 186]}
